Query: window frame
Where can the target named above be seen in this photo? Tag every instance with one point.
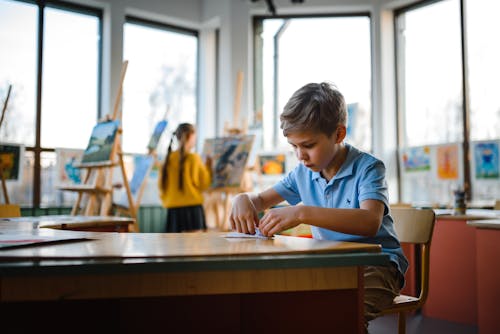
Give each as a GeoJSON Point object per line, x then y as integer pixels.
{"type": "Point", "coordinates": [258, 92]}
{"type": "Point", "coordinates": [466, 165]}
{"type": "Point", "coordinates": [37, 149]}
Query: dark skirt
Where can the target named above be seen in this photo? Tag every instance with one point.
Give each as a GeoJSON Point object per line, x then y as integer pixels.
{"type": "Point", "coordinates": [188, 218]}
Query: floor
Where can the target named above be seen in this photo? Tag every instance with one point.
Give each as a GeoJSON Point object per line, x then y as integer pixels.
{"type": "Point", "coordinates": [418, 324]}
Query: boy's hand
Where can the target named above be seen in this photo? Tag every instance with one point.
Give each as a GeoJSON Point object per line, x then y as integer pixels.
{"type": "Point", "coordinates": [243, 217]}
{"type": "Point", "coordinates": [279, 219]}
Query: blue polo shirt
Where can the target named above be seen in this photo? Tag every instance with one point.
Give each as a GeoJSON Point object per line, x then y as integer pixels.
{"type": "Point", "coordinates": [361, 177]}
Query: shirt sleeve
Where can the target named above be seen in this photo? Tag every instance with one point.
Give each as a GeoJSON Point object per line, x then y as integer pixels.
{"type": "Point", "coordinates": [287, 188]}
{"type": "Point", "coordinates": [373, 185]}
{"type": "Point", "coordinates": [200, 174]}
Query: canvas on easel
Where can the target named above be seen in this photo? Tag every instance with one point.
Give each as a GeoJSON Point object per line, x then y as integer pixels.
{"type": "Point", "coordinates": [143, 164]}
{"type": "Point", "coordinates": [229, 156]}
{"type": "Point", "coordinates": [102, 155]}
{"type": "Point", "coordinates": [157, 132]}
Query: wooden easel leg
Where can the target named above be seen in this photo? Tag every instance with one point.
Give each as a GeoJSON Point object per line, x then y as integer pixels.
{"type": "Point", "coordinates": [76, 206]}
{"type": "Point", "coordinates": [4, 189]}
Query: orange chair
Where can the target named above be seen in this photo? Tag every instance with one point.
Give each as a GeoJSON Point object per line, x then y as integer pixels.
{"type": "Point", "coordinates": [413, 226]}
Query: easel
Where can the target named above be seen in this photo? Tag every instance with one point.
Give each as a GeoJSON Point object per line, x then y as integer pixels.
{"type": "Point", "coordinates": [97, 184]}
{"type": "Point", "coordinates": [141, 172]}
{"type": "Point", "coordinates": [2, 176]}
{"type": "Point", "coordinates": [220, 198]}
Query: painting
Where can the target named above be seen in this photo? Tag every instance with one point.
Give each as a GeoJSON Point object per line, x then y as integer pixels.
{"type": "Point", "coordinates": [11, 156]}
{"type": "Point", "coordinates": [416, 159]}
{"type": "Point", "coordinates": [272, 164]}
{"type": "Point", "coordinates": [229, 159]}
{"type": "Point", "coordinates": [157, 132]}
{"type": "Point", "coordinates": [486, 160]}
{"type": "Point", "coordinates": [67, 160]}
{"type": "Point", "coordinates": [101, 143]}
{"type": "Point", "coordinates": [447, 162]}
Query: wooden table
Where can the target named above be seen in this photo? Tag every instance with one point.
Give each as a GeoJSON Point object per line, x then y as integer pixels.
{"type": "Point", "coordinates": [187, 282]}
{"type": "Point", "coordinates": [76, 223]}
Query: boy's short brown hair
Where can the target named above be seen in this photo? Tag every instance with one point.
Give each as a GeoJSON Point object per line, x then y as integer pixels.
{"type": "Point", "coordinates": [314, 107]}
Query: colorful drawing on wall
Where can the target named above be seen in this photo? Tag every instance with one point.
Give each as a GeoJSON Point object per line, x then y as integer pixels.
{"type": "Point", "coordinates": [229, 158]}
{"type": "Point", "coordinates": [67, 160]}
{"type": "Point", "coordinates": [486, 160]}
{"type": "Point", "coordinates": [11, 156]}
{"type": "Point", "coordinates": [101, 143]}
{"type": "Point", "coordinates": [447, 162]}
{"type": "Point", "coordinates": [157, 132]}
{"type": "Point", "coordinates": [416, 159]}
{"type": "Point", "coordinates": [272, 164]}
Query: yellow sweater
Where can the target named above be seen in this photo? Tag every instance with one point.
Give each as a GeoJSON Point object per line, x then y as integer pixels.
{"type": "Point", "coordinates": [196, 179]}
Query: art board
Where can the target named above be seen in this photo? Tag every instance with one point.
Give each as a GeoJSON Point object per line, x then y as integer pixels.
{"type": "Point", "coordinates": [229, 159]}
{"type": "Point", "coordinates": [101, 143]}
{"type": "Point", "coordinates": [11, 159]}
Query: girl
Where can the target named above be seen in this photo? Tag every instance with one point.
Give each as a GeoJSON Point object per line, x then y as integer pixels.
{"type": "Point", "coordinates": [182, 180]}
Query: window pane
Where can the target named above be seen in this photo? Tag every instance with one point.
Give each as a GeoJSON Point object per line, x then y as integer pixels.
{"type": "Point", "coordinates": [483, 53]}
{"type": "Point", "coordinates": [484, 68]}
{"type": "Point", "coordinates": [162, 71]}
{"type": "Point", "coordinates": [70, 78]}
{"type": "Point", "coordinates": [18, 54]}
{"type": "Point", "coordinates": [430, 99]}
{"type": "Point", "coordinates": [430, 74]}
{"type": "Point", "coordinates": [334, 49]}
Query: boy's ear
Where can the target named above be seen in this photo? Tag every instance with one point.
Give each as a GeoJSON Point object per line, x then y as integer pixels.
{"type": "Point", "coordinates": [341, 133]}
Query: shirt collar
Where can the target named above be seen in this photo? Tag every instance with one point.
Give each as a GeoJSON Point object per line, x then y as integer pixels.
{"type": "Point", "coordinates": [347, 167]}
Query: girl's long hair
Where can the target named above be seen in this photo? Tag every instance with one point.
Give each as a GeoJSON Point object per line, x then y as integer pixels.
{"type": "Point", "coordinates": [184, 130]}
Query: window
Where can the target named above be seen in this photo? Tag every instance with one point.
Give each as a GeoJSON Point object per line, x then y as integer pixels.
{"type": "Point", "coordinates": [53, 65]}
{"type": "Point", "coordinates": [430, 85]}
{"type": "Point", "coordinates": [161, 74]}
{"type": "Point", "coordinates": [70, 78]}
{"type": "Point", "coordinates": [18, 34]}
{"type": "Point", "coordinates": [484, 68]}
{"type": "Point", "coordinates": [293, 51]}
{"type": "Point", "coordinates": [434, 80]}
{"type": "Point", "coordinates": [483, 53]}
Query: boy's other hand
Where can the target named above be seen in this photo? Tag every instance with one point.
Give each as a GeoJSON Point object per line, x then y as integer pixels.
{"type": "Point", "coordinates": [279, 219]}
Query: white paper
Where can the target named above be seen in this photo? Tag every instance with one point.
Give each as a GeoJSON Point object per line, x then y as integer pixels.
{"type": "Point", "coordinates": [257, 235]}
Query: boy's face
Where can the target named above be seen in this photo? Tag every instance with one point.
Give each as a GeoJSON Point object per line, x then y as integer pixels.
{"type": "Point", "coordinates": [315, 149]}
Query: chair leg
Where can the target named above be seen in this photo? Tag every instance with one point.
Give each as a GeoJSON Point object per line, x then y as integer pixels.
{"type": "Point", "coordinates": [402, 323]}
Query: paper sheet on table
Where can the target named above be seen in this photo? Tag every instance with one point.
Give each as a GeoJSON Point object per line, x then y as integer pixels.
{"type": "Point", "coordinates": [257, 235]}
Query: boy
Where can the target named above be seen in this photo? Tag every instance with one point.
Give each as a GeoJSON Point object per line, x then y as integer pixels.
{"type": "Point", "coordinates": [343, 191]}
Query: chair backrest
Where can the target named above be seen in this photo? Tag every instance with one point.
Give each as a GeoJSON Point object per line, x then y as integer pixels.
{"type": "Point", "coordinates": [413, 225]}
{"type": "Point", "coordinates": [9, 210]}
{"type": "Point", "coordinates": [416, 226]}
